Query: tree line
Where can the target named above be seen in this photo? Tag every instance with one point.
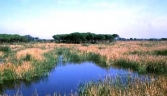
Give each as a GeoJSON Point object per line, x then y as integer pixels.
{"type": "Point", "coordinates": [88, 37]}
{"type": "Point", "coordinates": [9, 38]}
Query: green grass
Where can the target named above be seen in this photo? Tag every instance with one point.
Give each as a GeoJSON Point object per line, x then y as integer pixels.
{"type": "Point", "coordinates": [72, 55]}
{"type": "Point", "coordinates": [1, 79]}
{"type": "Point", "coordinates": [125, 86]}
{"type": "Point", "coordinates": [41, 67]}
{"type": "Point", "coordinates": [28, 57]}
{"type": "Point", "coordinates": [127, 64]}
{"type": "Point", "coordinates": [157, 68]}
{"type": "Point", "coordinates": [150, 67]}
{"type": "Point", "coordinates": [6, 50]}
{"type": "Point", "coordinates": [9, 75]}
{"type": "Point", "coordinates": [97, 59]}
{"type": "Point", "coordinates": [160, 52]}
{"type": "Point", "coordinates": [114, 86]}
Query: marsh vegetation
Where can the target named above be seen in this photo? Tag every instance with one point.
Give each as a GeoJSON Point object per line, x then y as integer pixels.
{"type": "Point", "coordinates": [24, 62]}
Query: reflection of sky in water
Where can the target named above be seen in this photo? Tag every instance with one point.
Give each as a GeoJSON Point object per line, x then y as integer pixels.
{"type": "Point", "coordinates": [65, 78]}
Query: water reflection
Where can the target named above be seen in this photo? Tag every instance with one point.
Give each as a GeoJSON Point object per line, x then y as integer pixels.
{"type": "Point", "coordinates": [64, 78]}
{"type": "Point", "coordinates": [16, 85]}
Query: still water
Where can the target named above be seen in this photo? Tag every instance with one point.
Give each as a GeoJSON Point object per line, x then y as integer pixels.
{"type": "Point", "coordinates": [64, 78]}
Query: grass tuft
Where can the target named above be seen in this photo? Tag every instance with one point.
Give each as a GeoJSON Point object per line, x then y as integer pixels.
{"type": "Point", "coordinates": [5, 48]}
{"type": "Point", "coordinates": [9, 75]}
{"type": "Point", "coordinates": [160, 52]}
{"type": "Point", "coordinates": [158, 68]}
{"type": "Point", "coordinates": [127, 64]}
{"type": "Point", "coordinates": [28, 57]}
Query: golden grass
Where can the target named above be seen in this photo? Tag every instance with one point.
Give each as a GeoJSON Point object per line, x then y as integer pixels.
{"type": "Point", "coordinates": [7, 66]}
{"type": "Point", "coordinates": [122, 50]}
{"type": "Point", "coordinates": [1, 54]}
{"type": "Point", "coordinates": [36, 53]}
{"type": "Point", "coordinates": [21, 69]}
{"type": "Point", "coordinates": [16, 47]}
{"type": "Point", "coordinates": [112, 52]}
{"type": "Point", "coordinates": [156, 87]}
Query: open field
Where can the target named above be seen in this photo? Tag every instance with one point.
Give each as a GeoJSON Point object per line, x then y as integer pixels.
{"type": "Point", "coordinates": [26, 61]}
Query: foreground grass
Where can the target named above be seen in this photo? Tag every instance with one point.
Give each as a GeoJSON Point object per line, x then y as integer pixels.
{"type": "Point", "coordinates": [118, 86]}
{"type": "Point", "coordinates": [125, 87]}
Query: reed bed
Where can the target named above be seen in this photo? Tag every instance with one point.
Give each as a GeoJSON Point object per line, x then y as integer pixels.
{"type": "Point", "coordinates": [142, 56]}
{"type": "Point", "coordinates": [133, 87]}
{"type": "Point", "coordinates": [141, 53]}
{"type": "Point", "coordinates": [36, 53]}
{"type": "Point", "coordinates": [26, 61]}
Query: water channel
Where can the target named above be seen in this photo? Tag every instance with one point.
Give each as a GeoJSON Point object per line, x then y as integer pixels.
{"type": "Point", "coordinates": [64, 78]}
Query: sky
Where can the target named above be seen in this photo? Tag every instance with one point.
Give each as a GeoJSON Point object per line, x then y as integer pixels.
{"type": "Point", "coordinates": [45, 18]}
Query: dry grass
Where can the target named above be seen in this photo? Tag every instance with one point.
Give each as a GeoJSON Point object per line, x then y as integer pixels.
{"type": "Point", "coordinates": [36, 53]}
{"type": "Point", "coordinates": [122, 50]}
{"type": "Point", "coordinates": [17, 61]}
{"type": "Point", "coordinates": [1, 54]}
{"type": "Point", "coordinates": [137, 51]}
{"type": "Point", "coordinates": [133, 88]}
{"type": "Point", "coordinates": [21, 69]}
{"type": "Point", "coordinates": [16, 47]}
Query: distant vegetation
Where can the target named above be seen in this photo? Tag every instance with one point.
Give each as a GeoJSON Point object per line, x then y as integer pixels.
{"type": "Point", "coordinates": [75, 38]}
{"type": "Point", "coordinates": [78, 38]}
{"type": "Point", "coordinates": [8, 38]}
{"type": "Point", "coordinates": [15, 38]}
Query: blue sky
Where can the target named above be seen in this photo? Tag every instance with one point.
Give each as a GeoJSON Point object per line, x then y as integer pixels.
{"type": "Point", "coordinates": [45, 18]}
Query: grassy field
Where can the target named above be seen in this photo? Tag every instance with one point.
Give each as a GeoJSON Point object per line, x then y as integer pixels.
{"type": "Point", "coordinates": [26, 61]}
{"type": "Point", "coordinates": [140, 56]}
